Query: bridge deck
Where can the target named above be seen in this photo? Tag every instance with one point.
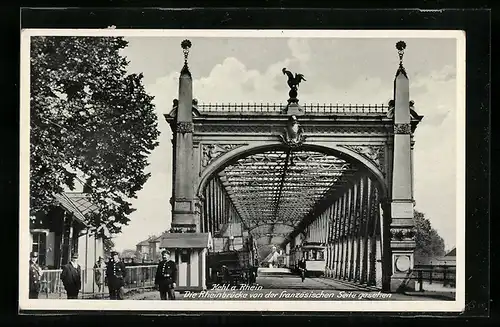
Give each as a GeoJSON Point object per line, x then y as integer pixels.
{"type": "Point", "coordinates": [288, 287]}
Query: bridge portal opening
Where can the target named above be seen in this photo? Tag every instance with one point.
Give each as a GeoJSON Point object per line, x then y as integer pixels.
{"type": "Point", "coordinates": [262, 207]}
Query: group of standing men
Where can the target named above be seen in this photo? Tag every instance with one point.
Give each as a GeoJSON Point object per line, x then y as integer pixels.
{"type": "Point", "coordinates": [115, 273]}
{"type": "Point", "coordinates": [71, 276]}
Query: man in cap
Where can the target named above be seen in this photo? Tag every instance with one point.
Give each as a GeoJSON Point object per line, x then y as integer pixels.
{"type": "Point", "coordinates": [71, 277]}
{"type": "Point", "coordinates": [166, 276]}
{"type": "Point", "coordinates": [35, 276]}
{"type": "Point", "coordinates": [115, 276]}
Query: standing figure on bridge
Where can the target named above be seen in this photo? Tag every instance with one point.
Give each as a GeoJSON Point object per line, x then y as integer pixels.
{"type": "Point", "coordinates": [115, 277]}
{"type": "Point", "coordinates": [35, 276]}
{"type": "Point", "coordinates": [302, 268]}
{"type": "Point", "coordinates": [166, 276]}
{"type": "Point", "coordinates": [71, 277]}
{"type": "Point", "coordinates": [253, 272]}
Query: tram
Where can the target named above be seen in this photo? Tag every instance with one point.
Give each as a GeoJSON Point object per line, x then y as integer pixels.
{"type": "Point", "coordinates": [314, 254]}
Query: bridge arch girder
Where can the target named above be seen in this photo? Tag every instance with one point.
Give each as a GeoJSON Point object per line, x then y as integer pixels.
{"type": "Point", "coordinates": [335, 149]}
{"type": "Point", "coordinates": [252, 227]}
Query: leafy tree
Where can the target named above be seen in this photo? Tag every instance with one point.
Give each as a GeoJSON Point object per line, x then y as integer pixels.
{"type": "Point", "coordinates": [429, 243]}
{"type": "Point", "coordinates": [108, 245]}
{"type": "Point", "coordinates": [88, 116]}
{"type": "Point", "coordinates": [128, 253]}
{"type": "Point", "coordinates": [138, 256]}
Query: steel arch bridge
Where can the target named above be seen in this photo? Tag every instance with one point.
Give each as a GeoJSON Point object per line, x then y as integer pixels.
{"type": "Point", "coordinates": [341, 175]}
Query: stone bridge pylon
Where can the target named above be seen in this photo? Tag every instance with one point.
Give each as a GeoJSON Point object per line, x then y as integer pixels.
{"type": "Point", "coordinates": [341, 175]}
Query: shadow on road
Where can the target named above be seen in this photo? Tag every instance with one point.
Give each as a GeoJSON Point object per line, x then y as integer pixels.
{"type": "Point", "coordinates": [433, 295]}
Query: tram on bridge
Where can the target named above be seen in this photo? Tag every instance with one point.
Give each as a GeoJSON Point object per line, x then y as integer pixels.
{"type": "Point", "coordinates": [314, 254]}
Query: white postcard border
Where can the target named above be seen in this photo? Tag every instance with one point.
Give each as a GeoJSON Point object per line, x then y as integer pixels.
{"type": "Point", "coordinates": [261, 306]}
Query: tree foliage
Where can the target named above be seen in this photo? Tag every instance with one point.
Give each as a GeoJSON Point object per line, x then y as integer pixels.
{"type": "Point", "coordinates": [428, 241]}
{"type": "Point", "coordinates": [108, 246]}
{"type": "Point", "coordinates": [128, 253]}
{"type": "Point", "coordinates": [131, 254]}
{"type": "Point", "coordinates": [88, 115]}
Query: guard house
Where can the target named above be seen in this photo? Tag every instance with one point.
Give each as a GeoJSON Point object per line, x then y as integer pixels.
{"type": "Point", "coordinates": [189, 251]}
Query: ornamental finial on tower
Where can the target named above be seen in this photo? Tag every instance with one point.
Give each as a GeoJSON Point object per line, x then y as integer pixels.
{"type": "Point", "coordinates": [401, 46]}
{"type": "Point", "coordinates": [186, 45]}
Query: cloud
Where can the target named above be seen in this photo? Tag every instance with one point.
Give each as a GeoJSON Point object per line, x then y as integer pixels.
{"type": "Point", "coordinates": [231, 81]}
{"type": "Point", "coordinates": [300, 49]}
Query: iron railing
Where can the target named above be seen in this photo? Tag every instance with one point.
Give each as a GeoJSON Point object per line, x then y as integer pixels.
{"type": "Point", "coordinates": [136, 277]}
{"type": "Point", "coordinates": [444, 275]}
{"type": "Point", "coordinates": [441, 275]}
{"type": "Point", "coordinates": [307, 107]}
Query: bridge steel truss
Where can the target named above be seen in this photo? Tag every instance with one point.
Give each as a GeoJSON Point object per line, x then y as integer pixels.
{"type": "Point", "coordinates": [351, 228]}
{"type": "Point", "coordinates": [346, 181]}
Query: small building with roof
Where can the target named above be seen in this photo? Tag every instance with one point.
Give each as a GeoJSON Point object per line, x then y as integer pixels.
{"type": "Point", "coordinates": [449, 259]}
{"type": "Point", "coordinates": [143, 248]}
{"type": "Point", "coordinates": [150, 248]}
{"type": "Point", "coordinates": [185, 249]}
{"type": "Point", "coordinates": [65, 230]}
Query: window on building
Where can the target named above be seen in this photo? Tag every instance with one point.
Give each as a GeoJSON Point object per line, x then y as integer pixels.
{"type": "Point", "coordinates": [320, 255]}
{"type": "Point", "coordinates": [39, 245]}
{"type": "Point", "coordinates": [185, 257]}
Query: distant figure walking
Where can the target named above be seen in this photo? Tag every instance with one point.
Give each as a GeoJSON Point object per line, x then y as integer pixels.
{"type": "Point", "coordinates": [166, 276]}
{"type": "Point", "coordinates": [99, 268]}
{"type": "Point", "coordinates": [302, 268]}
{"type": "Point", "coordinates": [226, 276]}
{"type": "Point", "coordinates": [115, 277]}
{"type": "Point", "coordinates": [35, 276]}
{"type": "Point", "coordinates": [253, 272]}
{"type": "Point", "coordinates": [71, 277]}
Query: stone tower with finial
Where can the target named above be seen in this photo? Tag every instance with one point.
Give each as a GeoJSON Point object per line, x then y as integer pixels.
{"type": "Point", "coordinates": [185, 240]}
{"type": "Point", "coordinates": [401, 206]}
{"type": "Point", "coordinates": [184, 213]}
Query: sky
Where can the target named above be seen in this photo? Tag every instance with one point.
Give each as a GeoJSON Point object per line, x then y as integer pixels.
{"type": "Point", "coordinates": [338, 70]}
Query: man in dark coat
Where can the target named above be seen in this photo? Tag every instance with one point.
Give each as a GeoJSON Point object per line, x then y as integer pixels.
{"type": "Point", "coordinates": [253, 272]}
{"type": "Point", "coordinates": [166, 276]}
{"type": "Point", "coordinates": [71, 277]}
{"type": "Point", "coordinates": [35, 276]}
{"type": "Point", "coordinates": [302, 268]}
{"type": "Point", "coordinates": [115, 276]}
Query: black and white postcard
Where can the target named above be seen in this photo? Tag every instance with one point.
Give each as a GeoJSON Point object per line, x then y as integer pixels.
{"type": "Point", "coordinates": [242, 170]}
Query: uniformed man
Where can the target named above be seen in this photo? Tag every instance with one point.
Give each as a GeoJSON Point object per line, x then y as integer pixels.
{"type": "Point", "coordinates": [166, 276]}
{"type": "Point", "coordinates": [35, 276]}
{"type": "Point", "coordinates": [115, 276]}
{"type": "Point", "coordinates": [302, 268]}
